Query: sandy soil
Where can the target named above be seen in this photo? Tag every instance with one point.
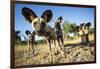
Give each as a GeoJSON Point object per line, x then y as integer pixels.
{"type": "Point", "coordinates": [74, 53]}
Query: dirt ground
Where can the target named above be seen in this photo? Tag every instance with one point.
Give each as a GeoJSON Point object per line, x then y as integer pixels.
{"type": "Point", "coordinates": [74, 53]}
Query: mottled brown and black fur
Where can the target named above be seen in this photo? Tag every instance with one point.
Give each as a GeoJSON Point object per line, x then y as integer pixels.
{"type": "Point", "coordinates": [83, 31]}
{"type": "Point", "coordinates": [41, 27]}
{"type": "Point", "coordinates": [31, 41]}
{"type": "Point", "coordinates": [59, 33]}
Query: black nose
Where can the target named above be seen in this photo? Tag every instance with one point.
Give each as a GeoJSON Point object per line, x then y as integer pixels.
{"type": "Point", "coordinates": [43, 25]}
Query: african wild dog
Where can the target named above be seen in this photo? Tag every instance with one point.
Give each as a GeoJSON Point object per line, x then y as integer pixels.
{"type": "Point", "coordinates": [86, 31]}
{"type": "Point", "coordinates": [31, 42]}
{"type": "Point", "coordinates": [82, 34]}
{"type": "Point", "coordinates": [18, 37]}
{"type": "Point", "coordinates": [83, 31]}
{"type": "Point", "coordinates": [41, 27]}
{"type": "Point", "coordinates": [58, 31]}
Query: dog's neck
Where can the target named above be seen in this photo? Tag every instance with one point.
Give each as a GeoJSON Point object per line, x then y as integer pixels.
{"type": "Point", "coordinates": [57, 25]}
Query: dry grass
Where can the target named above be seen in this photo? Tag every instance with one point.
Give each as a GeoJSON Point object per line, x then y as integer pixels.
{"type": "Point", "coordinates": [74, 53]}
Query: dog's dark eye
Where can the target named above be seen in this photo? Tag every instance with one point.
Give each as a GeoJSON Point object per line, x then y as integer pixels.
{"type": "Point", "coordinates": [35, 23]}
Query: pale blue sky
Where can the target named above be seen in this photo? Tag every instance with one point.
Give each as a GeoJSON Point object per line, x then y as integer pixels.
{"type": "Point", "coordinates": [73, 14]}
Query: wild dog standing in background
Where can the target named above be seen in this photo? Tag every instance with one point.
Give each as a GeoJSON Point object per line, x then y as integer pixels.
{"type": "Point", "coordinates": [31, 41]}
{"type": "Point", "coordinates": [41, 27]}
{"type": "Point", "coordinates": [86, 31]}
{"type": "Point", "coordinates": [81, 33]}
{"type": "Point", "coordinates": [18, 37]}
{"type": "Point", "coordinates": [58, 31]}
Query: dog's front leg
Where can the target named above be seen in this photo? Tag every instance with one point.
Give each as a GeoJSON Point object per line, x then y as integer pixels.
{"type": "Point", "coordinates": [36, 48]}
{"type": "Point", "coordinates": [63, 47]}
{"type": "Point", "coordinates": [50, 50]}
{"type": "Point", "coordinates": [60, 48]}
{"type": "Point", "coordinates": [33, 50]}
{"type": "Point", "coordinates": [55, 49]}
{"type": "Point", "coordinates": [87, 39]}
{"type": "Point", "coordinates": [28, 49]}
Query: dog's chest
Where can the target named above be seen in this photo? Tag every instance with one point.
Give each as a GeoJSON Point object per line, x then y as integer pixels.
{"type": "Point", "coordinates": [50, 32]}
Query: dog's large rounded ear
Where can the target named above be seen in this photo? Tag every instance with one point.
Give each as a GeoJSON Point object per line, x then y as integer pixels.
{"type": "Point", "coordinates": [77, 28]}
{"type": "Point", "coordinates": [28, 14]}
{"type": "Point", "coordinates": [27, 32]}
{"type": "Point", "coordinates": [60, 19]}
{"type": "Point", "coordinates": [17, 32]}
{"type": "Point", "coordinates": [82, 24]}
{"type": "Point", "coordinates": [88, 24]}
{"type": "Point", "coordinates": [47, 15]}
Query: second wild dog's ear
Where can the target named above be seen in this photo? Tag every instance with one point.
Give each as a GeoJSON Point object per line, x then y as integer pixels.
{"type": "Point", "coordinates": [17, 32]}
{"type": "Point", "coordinates": [47, 15]}
{"type": "Point", "coordinates": [27, 32]}
{"type": "Point", "coordinates": [60, 19]}
{"type": "Point", "coordinates": [28, 14]}
{"type": "Point", "coordinates": [88, 24]}
{"type": "Point", "coordinates": [77, 28]}
{"type": "Point", "coordinates": [82, 24]}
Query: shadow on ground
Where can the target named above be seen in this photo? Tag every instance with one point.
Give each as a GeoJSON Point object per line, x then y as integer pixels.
{"type": "Point", "coordinates": [91, 44]}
